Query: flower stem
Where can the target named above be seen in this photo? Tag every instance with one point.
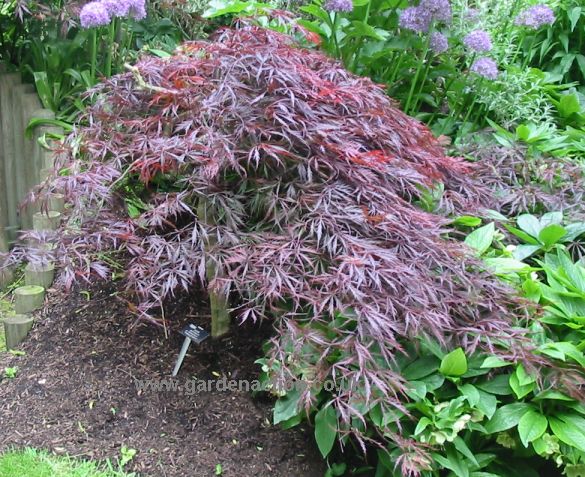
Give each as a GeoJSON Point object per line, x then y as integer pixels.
{"type": "Point", "coordinates": [417, 74]}
{"type": "Point", "coordinates": [93, 54]}
{"type": "Point", "coordinates": [528, 54]}
{"type": "Point", "coordinates": [361, 39]}
{"type": "Point", "coordinates": [422, 83]}
{"type": "Point", "coordinates": [443, 96]}
{"type": "Point", "coordinates": [109, 49]}
{"type": "Point", "coordinates": [334, 34]}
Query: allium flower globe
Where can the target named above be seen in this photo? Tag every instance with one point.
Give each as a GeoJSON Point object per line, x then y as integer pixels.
{"type": "Point", "coordinates": [94, 14]}
{"type": "Point", "coordinates": [117, 8]}
{"type": "Point", "coordinates": [137, 9]}
{"type": "Point", "coordinates": [415, 19]}
{"type": "Point", "coordinates": [439, 10]}
{"type": "Point", "coordinates": [438, 42]}
{"type": "Point", "coordinates": [535, 17]}
{"type": "Point", "coordinates": [101, 12]}
{"type": "Point", "coordinates": [339, 5]}
{"type": "Point", "coordinates": [478, 41]}
{"type": "Point", "coordinates": [485, 67]}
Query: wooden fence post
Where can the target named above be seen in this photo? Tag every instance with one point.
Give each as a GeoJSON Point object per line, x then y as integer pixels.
{"type": "Point", "coordinates": [8, 82]}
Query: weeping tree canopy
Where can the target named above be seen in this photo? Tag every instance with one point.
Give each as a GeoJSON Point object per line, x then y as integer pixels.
{"type": "Point", "coordinates": [308, 176]}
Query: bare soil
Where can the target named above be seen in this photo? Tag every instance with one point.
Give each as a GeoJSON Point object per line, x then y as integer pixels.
{"type": "Point", "coordinates": [75, 393]}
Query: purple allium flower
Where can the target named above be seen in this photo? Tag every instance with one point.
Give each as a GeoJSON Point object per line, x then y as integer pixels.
{"type": "Point", "coordinates": [137, 9]}
{"type": "Point", "coordinates": [338, 5]}
{"type": "Point", "coordinates": [439, 10]}
{"type": "Point", "coordinates": [485, 67]}
{"type": "Point", "coordinates": [535, 17]}
{"type": "Point", "coordinates": [415, 19]}
{"type": "Point", "coordinates": [117, 8]}
{"type": "Point", "coordinates": [478, 40]}
{"type": "Point", "coordinates": [439, 42]}
{"type": "Point", "coordinates": [94, 14]}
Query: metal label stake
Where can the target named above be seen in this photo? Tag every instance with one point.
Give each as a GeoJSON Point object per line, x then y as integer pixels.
{"type": "Point", "coordinates": [191, 333]}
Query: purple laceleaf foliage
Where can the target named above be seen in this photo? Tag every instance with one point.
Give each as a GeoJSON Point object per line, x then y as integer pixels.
{"type": "Point", "coordinates": [310, 175]}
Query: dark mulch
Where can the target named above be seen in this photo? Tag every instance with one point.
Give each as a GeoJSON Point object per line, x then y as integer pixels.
{"type": "Point", "coordinates": [75, 393]}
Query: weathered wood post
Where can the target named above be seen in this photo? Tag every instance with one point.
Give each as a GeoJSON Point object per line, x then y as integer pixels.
{"type": "Point", "coordinates": [21, 144]}
{"type": "Point", "coordinates": [16, 328]}
{"type": "Point", "coordinates": [30, 104]}
{"type": "Point", "coordinates": [28, 298]}
{"type": "Point", "coordinates": [8, 82]}
{"type": "Point", "coordinates": [218, 301]}
{"type": "Point", "coordinates": [46, 221]}
{"type": "Point", "coordinates": [39, 274]}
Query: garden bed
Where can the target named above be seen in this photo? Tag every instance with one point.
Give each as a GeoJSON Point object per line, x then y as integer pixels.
{"type": "Point", "coordinates": [75, 393]}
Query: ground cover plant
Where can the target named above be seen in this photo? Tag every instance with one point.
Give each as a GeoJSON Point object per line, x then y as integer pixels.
{"type": "Point", "coordinates": [302, 184]}
{"type": "Point", "coordinates": [34, 463]}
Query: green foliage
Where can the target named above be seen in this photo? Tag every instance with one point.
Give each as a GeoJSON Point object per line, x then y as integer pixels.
{"type": "Point", "coordinates": [63, 61]}
{"type": "Point", "coordinates": [34, 463]}
{"type": "Point", "coordinates": [559, 48]}
{"type": "Point", "coordinates": [482, 414]}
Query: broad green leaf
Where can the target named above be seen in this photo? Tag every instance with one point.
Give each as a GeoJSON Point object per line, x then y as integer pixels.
{"type": "Point", "coordinates": [581, 63]}
{"type": "Point", "coordinates": [453, 462]}
{"type": "Point", "coordinates": [471, 394]}
{"type": "Point", "coordinates": [551, 218]}
{"type": "Point", "coordinates": [422, 424]}
{"type": "Point", "coordinates": [523, 251]}
{"type": "Point", "coordinates": [574, 230]}
{"type": "Point", "coordinates": [523, 377]}
{"type": "Point", "coordinates": [532, 289]}
{"type": "Point", "coordinates": [461, 446]}
{"type": "Point", "coordinates": [523, 132]}
{"type": "Point", "coordinates": [574, 15]}
{"type": "Point", "coordinates": [497, 385]}
{"type": "Point", "coordinates": [529, 224]}
{"type": "Point", "coordinates": [551, 234]}
{"type": "Point", "coordinates": [159, 53]}
{"type": "Point", "coordinates": [361, 29]}
{"type": "Point", "coordinates": [420, 368]}
{"type": "Point", "coordinates": [467, 220]}
{"type": "Point", "coordinates": [326, 429]}
{"type": "Point", "coordinates": [506, 417]}
{"type": "Point", "coordinates": [520, 390]}
{"type": "Point", "coordinates": [568, 105]}
{"type": "Point", "coordinates": [287, 406]}
{"type": "Point", "coordinates": [494, 362]}
{"type": "Point", "coordinates": [487, 404]}
{"type": "Point", "coordinates": [529, 239]}
{"type": "Point", "coordinates": [504, 265]}
{"type": "Point", "coordinates": [553, 395]}
{"type": "Point", "coordinates": [481, 238]}
{"type": "Point", "coordinates": [531, 426]}
{"type": "Point", "coordinates": [454, 363]}
{"type": "Point", "coordinates": [567, 432]}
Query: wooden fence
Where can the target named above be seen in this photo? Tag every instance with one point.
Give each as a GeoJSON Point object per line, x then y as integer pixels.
{"type": "Point", "coordinates": [23, 161]}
